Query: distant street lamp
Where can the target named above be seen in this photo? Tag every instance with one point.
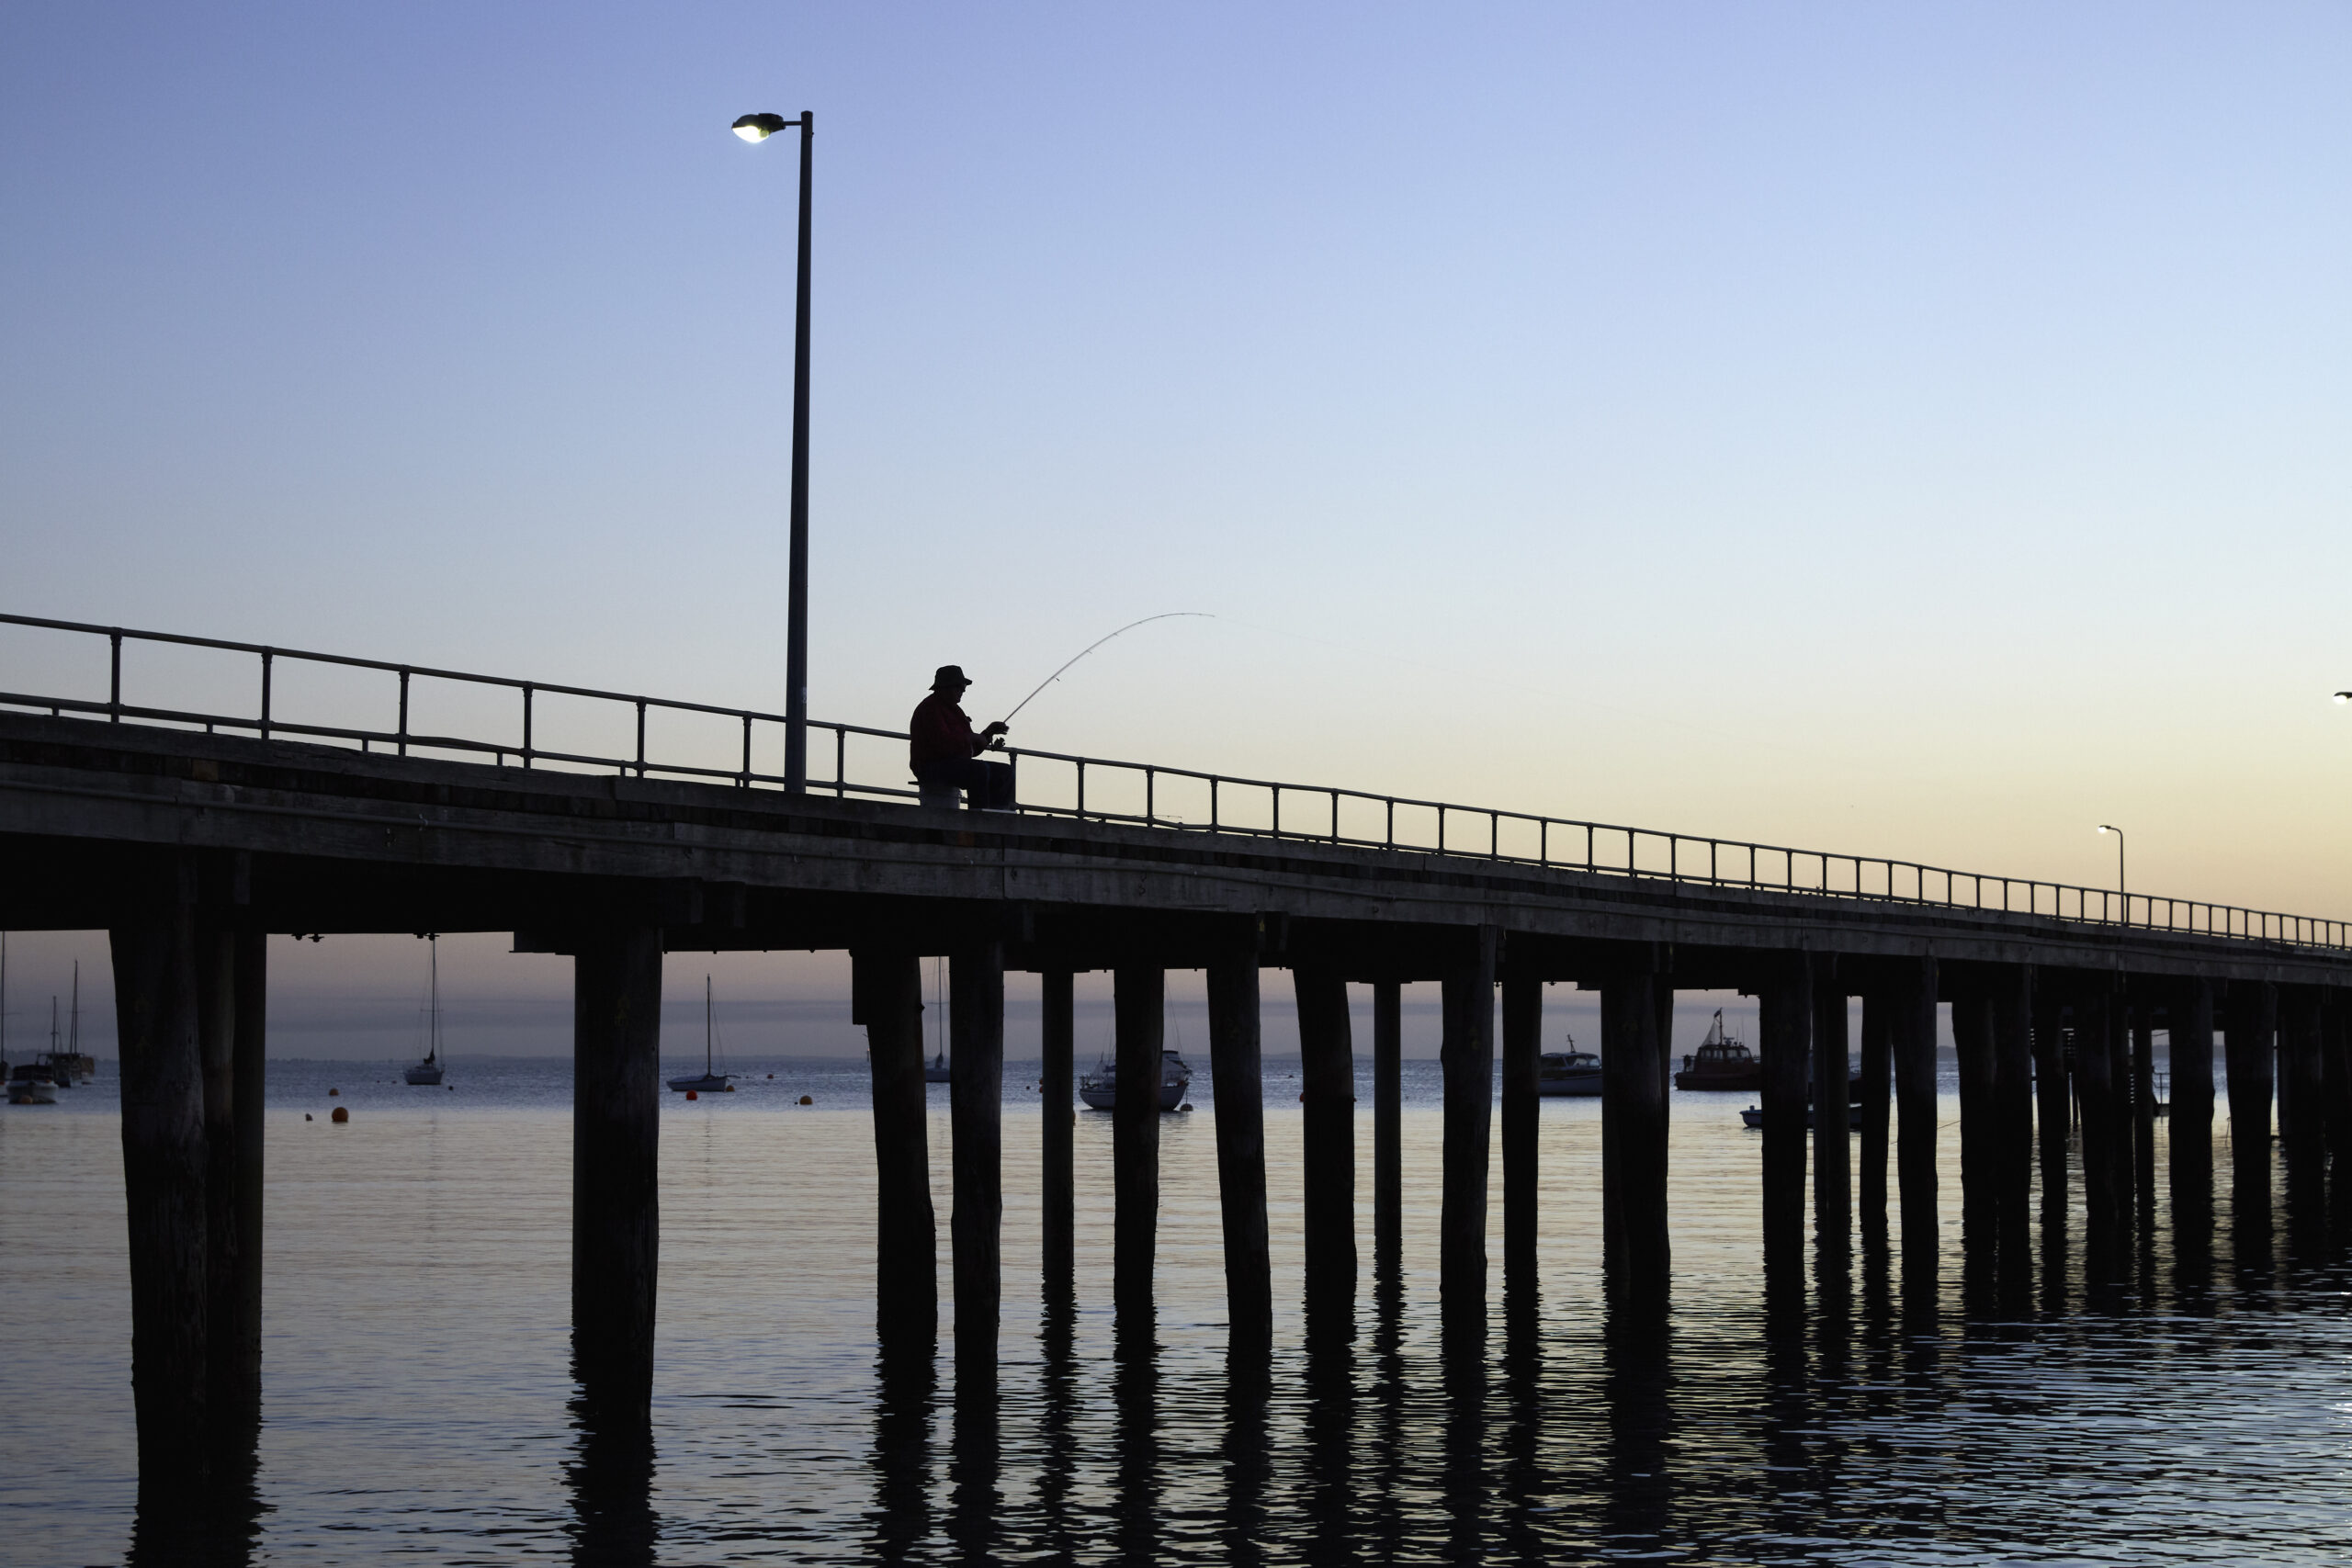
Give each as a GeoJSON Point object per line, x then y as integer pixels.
{"type": "Point", "coordinates": [2120, 890]}
{"type": "Point", "coordinates": [759, 128]}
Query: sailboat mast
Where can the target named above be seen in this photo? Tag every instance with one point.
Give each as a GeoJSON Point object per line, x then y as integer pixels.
{"type": "Point", "coordinates": [73, 1029]}
{"type": "Point", "coordinates": [433, 1001]}
{"type": "Point", "coordinates": [706, 1026]}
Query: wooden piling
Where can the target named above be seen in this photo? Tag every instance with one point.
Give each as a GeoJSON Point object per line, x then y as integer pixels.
{"type": "Point", "coordinates": [1138, 1011]}
{"type": "Point", "coordinates": [2094, 1078]}
{"type": "Point", "coordinates": [1388, 1128]}
{"type": "Point", "coordinates": [1785, 1045]}
{"type": "Point", "coordinates": [152, 937]}
{"type": "Point", "coordinates": [1522, 1048]}
{"type": "Point", "coordinates": [1235, 1070]}
{"type": "Point", "coordinates": [976, 1110]}
{"type": "Point", "coordinates": [2054, 1102]}
{"type": "Point", "coordinates": [1878, 1102]}
{"type": "Point", "coordinates": [1467, 1057]}
{"type": "Point", "coordinates": [216, 1031]}
{"type": "Point", "coordinates": [1915, 1116]}
{"type": "Point", "coordinates": [1057, 1036]}
{"type": "Point", "coordinates": [616, 1163]}
{"type": "Point", "coordinates": [2144, 1110]}
{"type": "Point", "coordinates": [2190, 1114]}
{"type": "Point", "coordinates": [2009, 1001]}
{"type": "Point", "coordinates": [1972, 1033]}
{"type": "Point", "coordinates": [2252, 1021]}
{"type": "Point", "coordinates": [2302, 1122]}
{"type": "Point", "coordinates": [1833, 1150]}
{"type": "Point", "coordinates": [1326, 1084]}
{"type": "Point", "coordinates": [887, 992]}
{"type": "Point", "coordinates": [1639, 1263]}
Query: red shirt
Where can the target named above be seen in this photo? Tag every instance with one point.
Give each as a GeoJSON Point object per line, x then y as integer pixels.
{"type": "Point", "coordinates": [940, 733]}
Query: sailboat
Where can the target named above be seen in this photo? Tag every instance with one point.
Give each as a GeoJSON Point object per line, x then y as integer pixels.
{"type": "Point", "coordinates": [428, 1072]}
{"type": "Point", "coordinates": [935, 1070]}
{"type": "Point", "coordinates": [710, 1082]}
{"type": "Point", "coordinates": [34, 1083]}
{"type": "Point", "coordinates": [70, 1065]}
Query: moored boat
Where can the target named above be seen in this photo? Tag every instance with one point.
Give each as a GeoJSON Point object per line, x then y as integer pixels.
{"type": "Point", "coordinates": [710, 1081]}
{"type": "Point", "coordinates": [1569, 1072]}
{"type": "Point", "coordinates": [428, 1073]}
{"type": "Point", "coordinates": [936, 1069]}
{"type": "Point", "coordinates": [1100, 1088]}
{"type": "Point", "coordinates": [1721, 1062]}
{"type": "Point", "coordinates": [29, 1083]}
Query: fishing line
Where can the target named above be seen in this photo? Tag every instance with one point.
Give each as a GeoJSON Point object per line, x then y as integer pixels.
{"type": "Point", "coordinates": [1164, 616]}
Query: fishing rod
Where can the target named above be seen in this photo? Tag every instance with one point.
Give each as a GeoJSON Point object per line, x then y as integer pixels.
{"type": "Point", "coordinates": [1164, 616]}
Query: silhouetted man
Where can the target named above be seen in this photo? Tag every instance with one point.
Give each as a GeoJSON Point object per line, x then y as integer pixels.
{"type": "Point", "coordinates": [944, 752]}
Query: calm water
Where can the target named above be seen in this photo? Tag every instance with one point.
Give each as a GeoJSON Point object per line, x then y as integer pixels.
{"type": "Point", "coordinates": [418, 1397]}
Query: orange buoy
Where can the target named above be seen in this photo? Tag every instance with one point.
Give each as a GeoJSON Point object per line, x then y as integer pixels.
{"type": "Point", "coordinates": [729, 1088]}
{"type": "Point", "coordinates": [807, 1100]}
{"type": "Point", "coordinates": [332, 1092]}
{"type": "Point", "coordinates": [341, 1114]}
{"type": "Point", "coordinates": [306, 1116]}
{"type": "Point", "coordinates": [692, 1095]}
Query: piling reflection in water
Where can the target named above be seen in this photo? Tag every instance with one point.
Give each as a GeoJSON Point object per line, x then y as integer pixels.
{"type": "Point", "coordinates": [611, 1479]}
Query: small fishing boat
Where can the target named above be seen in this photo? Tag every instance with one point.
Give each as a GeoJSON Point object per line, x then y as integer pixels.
{"type": "Point", "coordinates": [711, 1082]}
{"type": "Point", "coordinates": [1100, 1088]}
{"type": "Point", "coordinates": [1721, 1062]}
{"type": "Point", "coordinates": [935, 1070]}
{"type": "Point", "coordinates": [1753, 1117]}
{"type": "Point", "coordinates": [29, 1084]}
{"type": "Point", "coordinates": [1568, 1072]}
{"type": "Point", "coordinates": [428, 1073]}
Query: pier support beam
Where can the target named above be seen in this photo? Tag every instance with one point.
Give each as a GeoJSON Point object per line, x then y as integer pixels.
{"type": "Point", "coordinates": [1972, 1033]}
{"type": "Point", "coordinates": [1326, 1083]}
{"type": "Point", "coordinates": [1522, 1048]}
{"type": "Point", "coordinates": [1387, 1129]}
{"type": "Point", "coordinates": [2096, 1029]}
{"type": "Point", "coordinates": [2336, 1091]}
{"type": "Point", "coordinates": [1239, 1086]}
{"type": "Point", "coordinates": [1878, 1104]}
{"type": "Point", "coordinates": [2054, 1103]}
{"type": "Point", "coordinates": [1633, 1173]}
{"type": "Point", "coordinates": [1832, 1140]}
{"type": "Point", "coordinates": [2252, 1021]}
{"type": "Point", "coordinates": [2009, 1001]}
{"type": "Point", "coordinates": [615, 1124]}
{"type": "Point", "coordinates": [1467, 1056]}
{"type": "Point", "coordinates": [1785, 1045]}
{"type": "Point", "coordinates": [1915, 1116]}
{"type": "Point", "coordinates": [1057, 1040]}
{"type": "Point", "coordinates": [886, 997]}
{"type": "Point", "coordinates": [163, 1166]}
{"type": "Point", "coordinates": [2144, 1110]}
{"type": "Point", "coordinates": [2191, 1014]}
{"type": "Point", "coordinates": [976, 1103]}
{"type": "Point", "coordinates": [1139, 1022]}
{"type": "Point", "coordinates": [2303, 1114]}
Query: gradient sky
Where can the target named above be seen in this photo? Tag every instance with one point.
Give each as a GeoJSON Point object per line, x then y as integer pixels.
{"type": "Point", "coordinates": [1921, 430]}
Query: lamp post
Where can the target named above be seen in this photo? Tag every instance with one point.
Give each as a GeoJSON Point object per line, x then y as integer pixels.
{"type": "Point", "coordinates": [2121, 891]}
{"type": "Point", "coordinates": [759, 128]}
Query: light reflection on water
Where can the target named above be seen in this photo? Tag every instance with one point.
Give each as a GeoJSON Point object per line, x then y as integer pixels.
{"type": "Point", "coordinates": [418, 1400]}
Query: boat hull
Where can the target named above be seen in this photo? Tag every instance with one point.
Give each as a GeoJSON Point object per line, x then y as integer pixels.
{"type": "Point", "coordinates": [35, 1092]}
{"type": "Point", "coordinates": [1753, 1118]}
{"type": "Point", "coordinates": [1581, 1085]}
{"type": "Point", "coordinates": [705, 1083]}
{"type": "Point", "coordinates": [423, 1076]}
{"type": "Point", "coordinates": [1749, 1081]}
{"type": "Point", "coordinates": [1103, 1094]}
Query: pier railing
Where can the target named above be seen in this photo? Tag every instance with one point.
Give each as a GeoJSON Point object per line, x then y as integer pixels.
{"type": "Point", "coordinates": [537, 724]}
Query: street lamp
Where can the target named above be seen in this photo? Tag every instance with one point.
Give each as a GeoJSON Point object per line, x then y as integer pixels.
{"type": "Point", "coordinates": [759, 128]}
{"type": "Point", "coordinates": [2119, 888]}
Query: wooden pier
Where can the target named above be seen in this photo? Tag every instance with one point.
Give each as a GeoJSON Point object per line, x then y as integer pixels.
{"type": "Point", "coordinates": [190, 837]}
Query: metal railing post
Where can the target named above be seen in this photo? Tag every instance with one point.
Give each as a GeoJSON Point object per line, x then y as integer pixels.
{"type": "Point", "coordinates": [641, 738]}
{"type": "Point", "coordinates": [114, 679]}
{"type": "Point", "coordinates": [268, 661]}
{"type": "Point", "coordinates": [526, 725]}
{"type": "Point", "coordinates": [404, 713]}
